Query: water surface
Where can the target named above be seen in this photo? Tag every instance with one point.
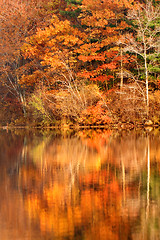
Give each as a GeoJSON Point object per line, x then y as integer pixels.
{"type": "Point", "coordinates": [86, 185]}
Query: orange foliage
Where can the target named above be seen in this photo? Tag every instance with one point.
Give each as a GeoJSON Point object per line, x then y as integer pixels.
{"type": "Point", "coordinates": [102, 78]}
{"type": "Point", "coordinates": [95, 115]}
{"type": "Point", "coordinates": [104, 26]}
{"type": "Point", "coordinates": [92, 51]}
{"type": "Point", "coordinates": [54, 47]}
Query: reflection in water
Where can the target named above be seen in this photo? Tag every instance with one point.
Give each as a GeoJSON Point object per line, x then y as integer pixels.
{"type": "Point", "coordinates": [148, 175]}
{"type": "Point", "coordinates": [92, 185]}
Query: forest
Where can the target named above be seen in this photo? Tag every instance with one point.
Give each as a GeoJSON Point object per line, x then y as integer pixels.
{"type": "Point", "coordinates": [79, 62]}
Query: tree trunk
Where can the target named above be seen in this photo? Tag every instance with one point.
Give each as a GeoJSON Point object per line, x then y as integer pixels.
{"type": "Point", "coordinates": [121, 68]}
{"type": "Point", "coordinates": [146, 76]}
{"type": "Point", "coordinates": [22, 99]}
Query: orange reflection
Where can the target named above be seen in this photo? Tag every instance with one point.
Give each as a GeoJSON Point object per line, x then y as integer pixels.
{"type": "Point", "coordinates": [85, 187]}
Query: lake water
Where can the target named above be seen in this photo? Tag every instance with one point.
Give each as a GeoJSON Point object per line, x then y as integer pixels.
{"type": "Point", "coordinates": [92, 184]}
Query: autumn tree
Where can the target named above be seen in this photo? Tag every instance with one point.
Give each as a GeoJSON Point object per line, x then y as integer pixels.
{"type": "Point", "coordinates": [144, 41]}
{"type": "Point", "coordinates": [104, 22]}
{"type": "Point", "coordinates": [19, 19]}
{"type": "Point", "coordinates": [54, 45]}
{"type": "Point", "coordinates": [53, 48]}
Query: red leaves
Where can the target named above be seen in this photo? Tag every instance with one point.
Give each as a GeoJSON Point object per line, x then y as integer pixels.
{"type": "Point", "coordinates": [85, 74]}
{"type": "Point", "coordinates": [102, 78]}
{"type": "Point", "coordinates": [110, 66]}
{"type": "Point", "coordinates": [96, 115]}
{"type": "Point", "coordinates": [99, 57]}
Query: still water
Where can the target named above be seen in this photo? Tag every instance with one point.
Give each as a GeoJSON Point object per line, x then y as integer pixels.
{"type": "Point", "coordinates": [86, 185]}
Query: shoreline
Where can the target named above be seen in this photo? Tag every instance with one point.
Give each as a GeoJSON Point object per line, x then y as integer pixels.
{"type": "Point", "coordinates": [116, 126]}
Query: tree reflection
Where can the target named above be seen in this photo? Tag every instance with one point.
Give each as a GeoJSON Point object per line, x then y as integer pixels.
{"type": "Point", "coordinates": [92, 185]}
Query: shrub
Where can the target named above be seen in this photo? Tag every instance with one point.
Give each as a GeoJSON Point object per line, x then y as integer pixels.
{"type": "Point", "coordinates": [128, 104]}
{"type": "Point", "coordinates": [95, 115]}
